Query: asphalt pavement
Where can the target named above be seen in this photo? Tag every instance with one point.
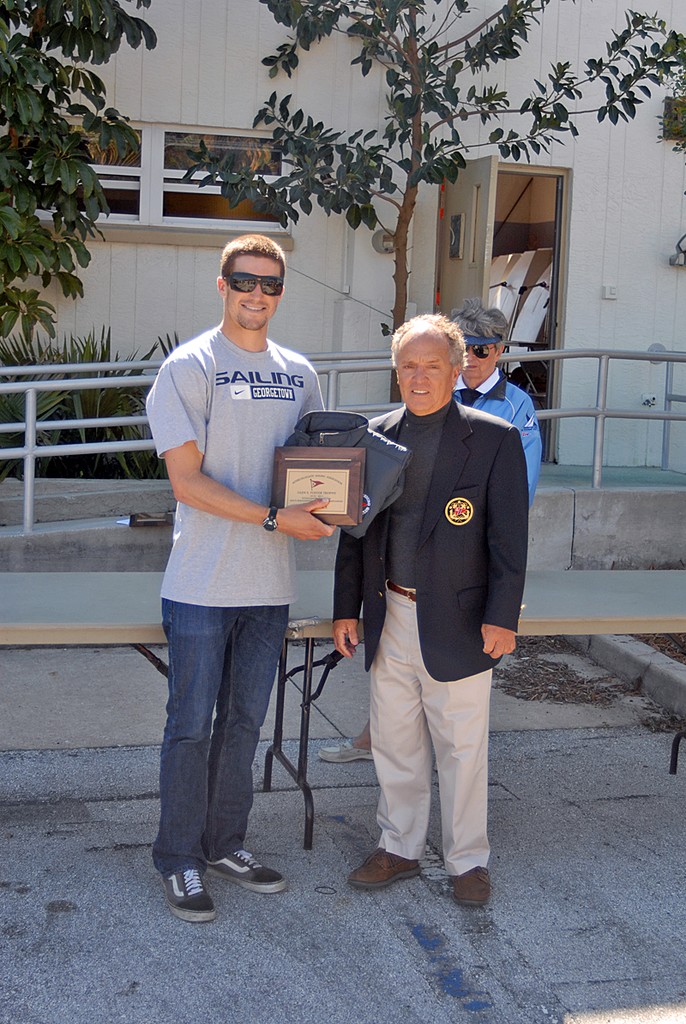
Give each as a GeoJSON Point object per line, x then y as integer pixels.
{"type": "Point", "coordinates": [587, 828]}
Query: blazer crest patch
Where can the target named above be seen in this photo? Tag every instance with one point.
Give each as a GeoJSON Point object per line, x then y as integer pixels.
{"type": "Point", "coordinates": [459, 511]}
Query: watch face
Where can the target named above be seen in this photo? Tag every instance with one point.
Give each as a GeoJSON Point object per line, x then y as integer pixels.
{"type": "Point", "coordinates": [270, 523]}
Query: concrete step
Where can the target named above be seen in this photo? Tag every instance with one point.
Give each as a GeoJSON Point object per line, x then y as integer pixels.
{"type": "Point", "coordinates": [64, 500]}
{"type": "Point", "coordinates": [61, 500]}
{"type": "Point", "coordinates": [570, 527]}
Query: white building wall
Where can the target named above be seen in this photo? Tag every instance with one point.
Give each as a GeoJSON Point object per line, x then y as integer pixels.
{"type": "Point", "coordinates": [627, 209]}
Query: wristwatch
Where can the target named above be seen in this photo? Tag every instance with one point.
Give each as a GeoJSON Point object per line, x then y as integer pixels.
{"type": "Point", "coordinates": [269, 522]}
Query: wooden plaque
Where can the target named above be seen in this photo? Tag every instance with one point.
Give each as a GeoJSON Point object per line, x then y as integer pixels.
{"type": "Point", "coordinates": [303, 474]}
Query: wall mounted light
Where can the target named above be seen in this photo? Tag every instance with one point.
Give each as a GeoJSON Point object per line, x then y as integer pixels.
{"type": "Point", "coordinates": [383, 243]}
{"type": "Point", "coordinates": [679, 257]}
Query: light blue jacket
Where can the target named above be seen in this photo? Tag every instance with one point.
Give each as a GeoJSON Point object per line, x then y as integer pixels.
{"type": "Point", "coordinates": [514, 405]}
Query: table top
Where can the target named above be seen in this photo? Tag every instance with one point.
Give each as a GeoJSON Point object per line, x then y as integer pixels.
{"type": "Point", "coordinates": [55, 608]}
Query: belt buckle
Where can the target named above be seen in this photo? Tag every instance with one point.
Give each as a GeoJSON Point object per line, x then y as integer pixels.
{"type": "Point", "coordinates": [407, 592]}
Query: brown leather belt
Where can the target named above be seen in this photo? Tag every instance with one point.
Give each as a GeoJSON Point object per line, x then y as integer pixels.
{"type": "Point", "coordinates": [409, 592]}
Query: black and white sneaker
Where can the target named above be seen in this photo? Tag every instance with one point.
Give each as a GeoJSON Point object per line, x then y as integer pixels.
{"type": "Point", "coordinates": [187, 896]}
{"type": "Point", "coordinates": [241, 867]}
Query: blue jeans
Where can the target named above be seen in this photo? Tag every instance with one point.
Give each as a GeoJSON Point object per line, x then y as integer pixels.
{"type": "Point", "coordinates": [222, 662]}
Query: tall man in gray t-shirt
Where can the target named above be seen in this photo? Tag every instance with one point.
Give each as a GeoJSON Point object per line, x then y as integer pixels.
{"type": "Point", "coordinates": [220, 405]}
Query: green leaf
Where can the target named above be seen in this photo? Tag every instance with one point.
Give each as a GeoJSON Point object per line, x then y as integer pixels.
{"type": "Point", "coordinates": [353, 216]}
{"type": "Point", "coordinates": [68, 176]}
{"type": "Point", "coordinates": [10, 221]}
{"type": "Point", "coordinates": [8, 321]}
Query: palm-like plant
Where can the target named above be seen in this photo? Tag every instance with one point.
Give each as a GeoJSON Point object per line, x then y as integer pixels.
{"type": "Point", "coordinates": [95, 403]}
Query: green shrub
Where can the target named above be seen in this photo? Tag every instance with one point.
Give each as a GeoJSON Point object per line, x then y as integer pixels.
{"type": "Point", "coordinates": [69, 405]}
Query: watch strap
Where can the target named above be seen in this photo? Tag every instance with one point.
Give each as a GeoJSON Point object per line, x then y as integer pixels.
{"type": "Point", "coordinates": [269, 522]}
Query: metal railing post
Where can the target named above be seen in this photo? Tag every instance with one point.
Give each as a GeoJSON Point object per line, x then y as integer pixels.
{"type": "Point", "coordinates": [30, 406]}
{"type": "Point", "coordinates": [666, 424]}
{"type": "Point", "coordinates": [332, 389]}
{"type": "Point", "coordinates": [599, 433]}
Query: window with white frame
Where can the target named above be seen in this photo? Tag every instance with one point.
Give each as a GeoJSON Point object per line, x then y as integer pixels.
{"type": "Point", "coordinates": [120, 175]}
{"type": "Point", "coordinates": [147, 187]}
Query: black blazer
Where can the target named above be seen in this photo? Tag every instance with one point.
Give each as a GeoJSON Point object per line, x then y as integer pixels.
{"type": "Point", "coordinates": [471, 557]}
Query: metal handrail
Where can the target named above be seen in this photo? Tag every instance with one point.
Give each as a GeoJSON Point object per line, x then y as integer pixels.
{"type": "Point", "coordinates": [329, 367]}
{"type": "Point", "coordinates": [120, 366]}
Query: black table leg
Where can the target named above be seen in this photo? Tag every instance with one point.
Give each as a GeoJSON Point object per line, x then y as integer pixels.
{"type": "Point", "coordinates": [299, 772]}
{"type": "Point", "coordinates": [160, 665]}
{"type": "Point", "coordinates": [275, 748]}
{"type": "Point", "coordinates": [675, 751]}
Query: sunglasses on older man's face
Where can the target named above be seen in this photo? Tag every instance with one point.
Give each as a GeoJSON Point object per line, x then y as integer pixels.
{"type": "Point", "coordinates": [481, 351]}
{"type": "Point", "coordinates": [241, 282]}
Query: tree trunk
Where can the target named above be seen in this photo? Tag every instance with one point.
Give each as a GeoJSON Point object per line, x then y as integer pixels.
{"type": "Point", "coordinates": [401, 271]}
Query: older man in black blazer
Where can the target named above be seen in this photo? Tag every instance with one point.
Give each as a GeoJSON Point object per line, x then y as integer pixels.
{"type": "Point", "coordinates": [441, 576]}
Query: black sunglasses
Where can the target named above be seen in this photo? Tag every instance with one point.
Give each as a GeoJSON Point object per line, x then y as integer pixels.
{"type": "Point", "coordinates": [480, 351]}
{"type": "Point", "coordinates": [239, 282]}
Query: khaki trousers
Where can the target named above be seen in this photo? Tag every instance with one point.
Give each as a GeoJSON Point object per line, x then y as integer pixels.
{"type": "Point", "coordinates": [409, 711]}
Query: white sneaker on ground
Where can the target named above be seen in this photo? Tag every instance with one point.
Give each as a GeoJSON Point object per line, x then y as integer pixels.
{"type": "Point", "coordinates": [345, 751]}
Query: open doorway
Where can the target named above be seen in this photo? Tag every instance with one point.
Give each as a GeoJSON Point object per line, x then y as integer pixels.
{"type": "Point", "coordinates": [501, 238]}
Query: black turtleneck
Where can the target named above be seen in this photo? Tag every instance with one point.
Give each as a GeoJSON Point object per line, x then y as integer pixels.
{"type": "Point", "coordinates": [422, 434]}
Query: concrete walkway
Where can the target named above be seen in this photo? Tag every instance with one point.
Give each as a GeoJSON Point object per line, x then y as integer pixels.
{"type": "Point", "coordinates": [587, 829]}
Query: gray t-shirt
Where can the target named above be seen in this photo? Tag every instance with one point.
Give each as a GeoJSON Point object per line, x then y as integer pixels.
{"type": "Point", "coordinates": [237, 406]}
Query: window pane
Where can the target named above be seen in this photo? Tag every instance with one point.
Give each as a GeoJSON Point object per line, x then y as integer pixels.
{"type": "Point", "coordinates": [259, 155]}
{"type": "Point", "coordinates": [209, 206]}
{"type": "Point", "coordinates": [124, 201]}
{"type": "Point", "coordinates": [109, 158]}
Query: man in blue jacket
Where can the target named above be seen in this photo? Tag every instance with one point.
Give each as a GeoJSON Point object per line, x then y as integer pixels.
{"type": "Point", "coordinates": [483, 385]}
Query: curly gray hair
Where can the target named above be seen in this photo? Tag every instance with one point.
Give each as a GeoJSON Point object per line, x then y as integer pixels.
{"type": "Point", "coordinates": [475, 320]}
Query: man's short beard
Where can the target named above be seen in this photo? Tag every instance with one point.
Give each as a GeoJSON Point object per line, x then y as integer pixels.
{"type": "Point", "coordinates": [241, 319]}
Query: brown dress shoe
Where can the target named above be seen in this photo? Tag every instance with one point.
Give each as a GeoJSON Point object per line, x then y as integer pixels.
{"type": "Point", "coordinates": [473, 888]}
{"type": "Point", "coordinates": [381, 868]}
